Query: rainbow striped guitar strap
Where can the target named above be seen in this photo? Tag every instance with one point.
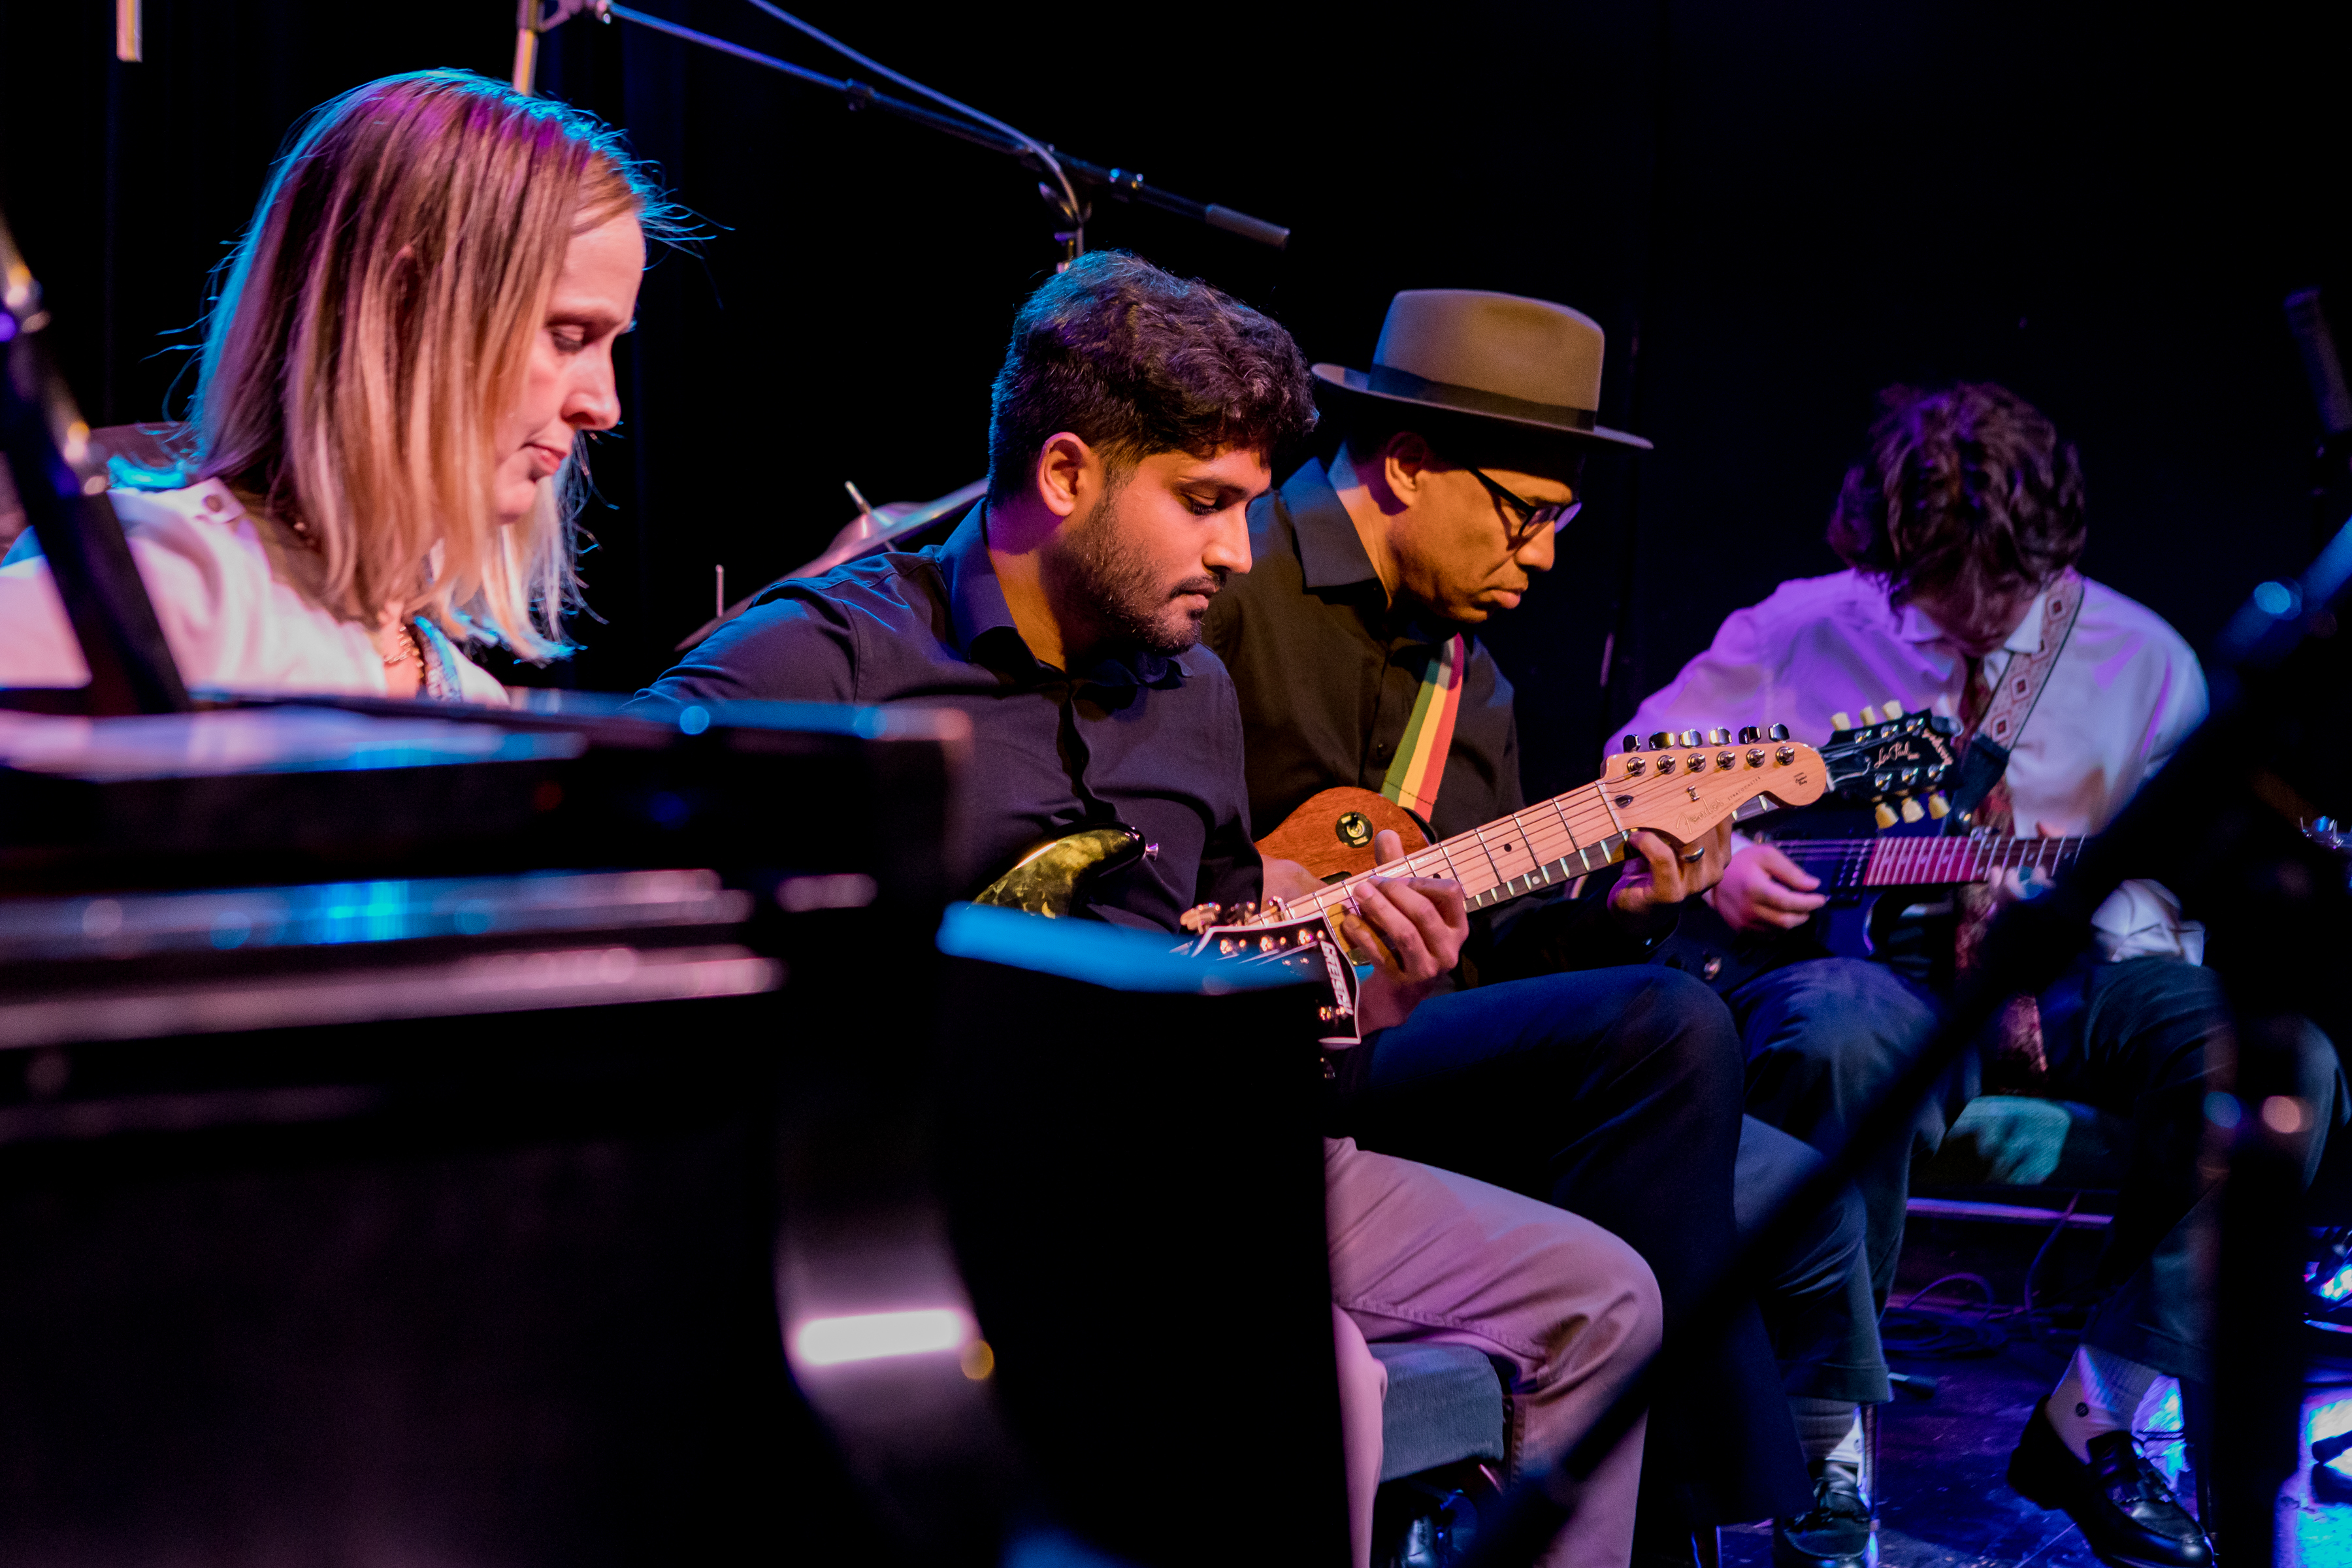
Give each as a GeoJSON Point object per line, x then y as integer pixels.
{"type": "Point", "coordinates": [1420, 766]}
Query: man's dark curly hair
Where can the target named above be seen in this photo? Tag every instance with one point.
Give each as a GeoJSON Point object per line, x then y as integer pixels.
{"type": "Point", "coordinates": [1969, 482]}
{"type": "Point", "coordinates": [1133, 361]}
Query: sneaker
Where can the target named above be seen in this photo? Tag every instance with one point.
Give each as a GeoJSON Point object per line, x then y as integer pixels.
{"type": "Point", "coordinates": [2128, 1517]}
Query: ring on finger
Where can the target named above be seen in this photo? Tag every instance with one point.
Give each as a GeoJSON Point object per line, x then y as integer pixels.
{"type": "Point", "coordinates": [1695, 855]}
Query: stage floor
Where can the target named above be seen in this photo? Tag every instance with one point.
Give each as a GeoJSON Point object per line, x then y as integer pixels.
{"type": "Point", "coordinates": [1943, 1502]}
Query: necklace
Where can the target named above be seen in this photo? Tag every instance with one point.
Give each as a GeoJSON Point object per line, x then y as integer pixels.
{"type": "Point", "coordinates": [410, 652]}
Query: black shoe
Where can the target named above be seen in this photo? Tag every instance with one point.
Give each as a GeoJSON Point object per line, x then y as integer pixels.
{"type": "Point", "coordinates": [2127, 1515]}
{"type": "Point", "coordinates": [1835, 1534]}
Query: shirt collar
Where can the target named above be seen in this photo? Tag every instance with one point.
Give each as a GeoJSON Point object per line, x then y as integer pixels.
{"type": "Point", "coordinates": [975, 598]}
{"type": "Point", "coordinates": [1330, 553]}
{"type": "Point", "coordinates": [979, 614]}
{"type": "Point", "coordinates": [1914, 626]}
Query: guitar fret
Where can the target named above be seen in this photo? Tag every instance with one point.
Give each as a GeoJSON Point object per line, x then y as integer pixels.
{"type": "Point", "coordinates": [1477, 835]}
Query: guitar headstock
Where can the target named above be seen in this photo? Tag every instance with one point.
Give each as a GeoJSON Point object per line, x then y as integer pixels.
{"type": "Point", "coordinates": [1685, 783]}
{"type": "Point", "coordinates": [1897, 764]}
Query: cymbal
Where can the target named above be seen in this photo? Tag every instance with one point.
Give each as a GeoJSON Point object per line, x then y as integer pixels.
{"type": "Point", "coordinates": [868, 533]}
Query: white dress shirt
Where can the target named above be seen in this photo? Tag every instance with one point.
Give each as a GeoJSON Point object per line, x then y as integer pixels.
{"type": "Point", "coordinates": [2123, 695]}
{"type": "Point", "coordinates": [233, 622]}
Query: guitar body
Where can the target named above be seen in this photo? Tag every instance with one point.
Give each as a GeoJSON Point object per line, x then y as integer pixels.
{"type": "Point", "coordinates": [1705, 945]}
{"type": "Point", "coordinates": [1050, 879]}
{"type": "Point", "coordinates": [1331, 834]}
{"type": "Point", "coordinates": [1844, 925]}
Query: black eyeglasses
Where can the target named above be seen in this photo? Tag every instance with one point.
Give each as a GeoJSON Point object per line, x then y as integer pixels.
{"type": "Point", "coordinates": [1553, 515]}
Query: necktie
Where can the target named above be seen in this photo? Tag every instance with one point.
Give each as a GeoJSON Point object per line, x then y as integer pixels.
{"type": "Point", "coordinates": [2018, 1059]}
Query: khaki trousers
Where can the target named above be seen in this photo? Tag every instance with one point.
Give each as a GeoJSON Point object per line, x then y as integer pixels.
{"type": "Point", "coordinates": [1422, 1255]}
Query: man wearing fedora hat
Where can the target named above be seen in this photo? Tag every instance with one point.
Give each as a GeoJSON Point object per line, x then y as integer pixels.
{"type": "Point", "coordinates": [1462, 456]}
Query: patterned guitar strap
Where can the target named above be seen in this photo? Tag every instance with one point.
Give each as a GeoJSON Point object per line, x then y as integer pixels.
{"type": "Point", "coordinates": [1419, 767]}
{"type": "Point", "coordinates": [1994, 718]}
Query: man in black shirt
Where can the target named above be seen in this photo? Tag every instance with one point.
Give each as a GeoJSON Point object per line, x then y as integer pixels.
{"type": "Point", "coordinates": [1353, 651]}
{"type": "Point", "coordinates": [1133, 423]}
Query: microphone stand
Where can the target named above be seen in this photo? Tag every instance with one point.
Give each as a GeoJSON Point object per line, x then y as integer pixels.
{"type": "Point", "coordinates": [1123, 184]}
{"type": "Point", "coordinates": [60, 481]}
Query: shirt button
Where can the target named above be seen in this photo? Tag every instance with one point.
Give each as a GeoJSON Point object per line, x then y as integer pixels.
{"type": "Point", "coordinates": [1383, 750]}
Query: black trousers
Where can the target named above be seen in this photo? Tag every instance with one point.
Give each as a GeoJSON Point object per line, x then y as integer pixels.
{"type": "Point", "coordinates": [1615, 1094]}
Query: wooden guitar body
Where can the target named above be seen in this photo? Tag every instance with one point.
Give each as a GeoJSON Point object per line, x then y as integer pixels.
{"type": "Point", "coordinates": [1331, 833]}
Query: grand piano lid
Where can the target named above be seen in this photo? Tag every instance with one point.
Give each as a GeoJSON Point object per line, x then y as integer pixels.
{"type": "Point", "coordinates": [276, 738]}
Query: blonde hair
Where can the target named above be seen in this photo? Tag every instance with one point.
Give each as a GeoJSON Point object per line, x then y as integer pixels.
{"type": "Point", "coordinates": [376, 323]}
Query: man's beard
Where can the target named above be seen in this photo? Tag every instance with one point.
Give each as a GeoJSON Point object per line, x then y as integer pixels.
{"type": "Point", "coordinates": [1096, 565]}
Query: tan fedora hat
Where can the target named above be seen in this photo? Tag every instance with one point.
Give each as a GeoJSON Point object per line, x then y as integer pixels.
{"type": "Point", "coordinates": [1529, 363]}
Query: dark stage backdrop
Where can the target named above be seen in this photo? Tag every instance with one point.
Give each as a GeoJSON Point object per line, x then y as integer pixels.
{"type": "Point", "coordinates": [1773, 209]}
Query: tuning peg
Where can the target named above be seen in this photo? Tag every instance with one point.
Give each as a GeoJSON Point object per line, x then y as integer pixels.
{"type": "Point", "coordinates": [1870, 715]}
{"type": "Point", "coordinates": [2322, 825]}
{"type": "Point", "coordinates": [1781, 731]}
{"type": "Point", "coordinates": [1661, 741]}
{"type": "Point", "coordinates": [1883, 813]}
{"type": "Point", "coordinates": [1718, 736]}
{"type": "Point", "coordinates": [1911, 812]}
{"type": "Point", "coordinates": [1633, 743]}
{"type": "Point", "coordinates": [1689, 738]}
{"type": "Point", "coordinates": [1893, 709]}
{"type": "Point", "coordinates": [1938, 807]}
{"type": "Point", "coordinates": [1749, 735]}
{"type": "Point", "coordinates": [1841, 721]}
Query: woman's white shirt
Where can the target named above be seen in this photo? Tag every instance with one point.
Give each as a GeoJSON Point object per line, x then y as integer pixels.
{"type": "Point", "coordinates": [233, 622]}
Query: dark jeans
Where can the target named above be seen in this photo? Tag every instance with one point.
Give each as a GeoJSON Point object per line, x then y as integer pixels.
{"type": "Point", "coordinates": [1614, 1094]}
{"type": "Point", "coordinates": [1824, 1037]}
{"type": "Point", "coordinates": [1818, 1308]}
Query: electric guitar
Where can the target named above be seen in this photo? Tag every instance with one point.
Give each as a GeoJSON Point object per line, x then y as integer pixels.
{"type": "Point", "coordinates": [1892, 763]}
{"type": "Point", "coordinates": [1681, 790]}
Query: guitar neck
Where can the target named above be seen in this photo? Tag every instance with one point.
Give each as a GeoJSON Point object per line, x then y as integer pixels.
{"type": "Point", "coordinates": [1857, 865]}
{"type": "Point", "coordinates": [1550, 843]}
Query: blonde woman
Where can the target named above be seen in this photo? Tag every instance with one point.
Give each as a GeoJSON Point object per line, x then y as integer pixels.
{"type": "Point", "coordinates": [411, 337]}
